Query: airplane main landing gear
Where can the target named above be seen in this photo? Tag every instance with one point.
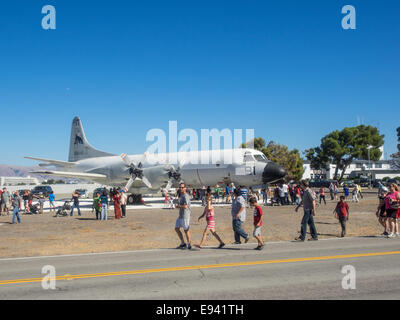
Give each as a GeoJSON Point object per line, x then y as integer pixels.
{"type": "Point", "coordinates": [135, 199]}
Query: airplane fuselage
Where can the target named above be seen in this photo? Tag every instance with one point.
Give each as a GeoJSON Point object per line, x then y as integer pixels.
{"type": "Point", "coordinates": [239, 166]}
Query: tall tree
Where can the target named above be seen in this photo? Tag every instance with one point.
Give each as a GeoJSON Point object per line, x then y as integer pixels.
{"type": "Point", "coordinates": [341, 148]}
{"type": "Point", "coordinates": [289, 159]}
{"type": "Point", "coordinates": [396, 156]}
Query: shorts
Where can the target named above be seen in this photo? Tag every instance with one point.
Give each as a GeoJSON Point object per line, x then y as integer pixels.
{"type": "Point", "coordinates": [382, 212]}
{"type": "Point", "coordinates": [391, 213]}
{"type": "Point", "coordinates": [182, 223]}
{"type": "Point", "coordinates": [257, 231]}
{"type": "Point", "coordinates": [52, 203]}
{"type": "Point", "coordinates": [398, 214]}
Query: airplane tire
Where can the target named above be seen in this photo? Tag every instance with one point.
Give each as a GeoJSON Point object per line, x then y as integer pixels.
{"type": "Point", "coordinates": [134, 199]}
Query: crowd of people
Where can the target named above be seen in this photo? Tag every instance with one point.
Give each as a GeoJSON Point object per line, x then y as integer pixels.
{"type": "Point", "coordinates": [238, 217]}
{"type": "Point", "coordinates": [299, 194]}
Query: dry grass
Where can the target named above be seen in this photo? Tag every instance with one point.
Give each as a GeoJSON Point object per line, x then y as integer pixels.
{"type": "Point", "coordinates": [143, 229]}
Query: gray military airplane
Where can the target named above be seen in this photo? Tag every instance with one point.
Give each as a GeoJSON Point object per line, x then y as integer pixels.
{"type": "Point", "coordinates": [149, 173]}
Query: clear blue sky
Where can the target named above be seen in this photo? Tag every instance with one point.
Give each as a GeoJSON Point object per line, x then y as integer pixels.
{"type": "Point", "coordinates": [285, 68]}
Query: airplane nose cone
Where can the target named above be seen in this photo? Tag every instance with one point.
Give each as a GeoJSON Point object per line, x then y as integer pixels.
{"type": "Point", "coordinates": [273, 172]}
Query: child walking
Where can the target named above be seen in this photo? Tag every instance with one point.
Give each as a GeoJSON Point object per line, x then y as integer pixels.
{"type": "Point", "coordinates": [258, 222]}
{"type": "Point", "coordinates": [342, 213]}
{"type": "Point", "coordinates": [209, 213]}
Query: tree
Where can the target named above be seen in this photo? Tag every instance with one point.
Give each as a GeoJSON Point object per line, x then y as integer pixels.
{"type": "Point", "coordinates": [341, 148]}
{"type": "Point", "coordinates": [396, 156]}
{"type": "Point", "coordinates": [289, 159]}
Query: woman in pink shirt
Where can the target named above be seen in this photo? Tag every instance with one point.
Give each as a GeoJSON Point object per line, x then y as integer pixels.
{"type": "Point", "coordinates": [392, 201]}
{"type": "Point", "coordinates": [209, 213]}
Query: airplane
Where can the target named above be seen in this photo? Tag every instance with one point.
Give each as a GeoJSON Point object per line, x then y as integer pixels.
{"type": "Point", "coordinates": [150, 173]}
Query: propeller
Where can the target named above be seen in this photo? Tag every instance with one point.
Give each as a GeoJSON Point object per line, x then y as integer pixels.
{"type": "Point", "coordinates": [135, 171]}
{"type": "Point", "coordinates": [174, 174]}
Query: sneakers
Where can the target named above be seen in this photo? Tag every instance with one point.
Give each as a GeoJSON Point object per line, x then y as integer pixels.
{"type": "Point", "coordinates": [313, 239]}
{"type": "Point", "coordinates": [247, 240]}
{"type": "Point", "coordinates": [237, 242]}
{"type": "Point", "coordinates": [182, 246]}
{"type": "Point", "coordinates": [391, 235]}
{"type": "Point", "coordinates": [384, 234]}
{"type": "Point", "coordinates": [298, 239]}
{"type": "Point", "coordinates": [259, 247]}
{"type": "Point", "coordinates": [221, 245]}
{"type": "Point", "coordinates": [397, 234]}
{"type": "Point", "coordinates": [189, 246]}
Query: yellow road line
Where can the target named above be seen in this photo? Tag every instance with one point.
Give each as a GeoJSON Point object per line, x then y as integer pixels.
{"type": "Point", "coordinates": [209, 266]}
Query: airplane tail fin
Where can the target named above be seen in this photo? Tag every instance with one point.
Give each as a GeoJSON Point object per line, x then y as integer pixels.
{"type": "Point", "coordinates": [79, 147]}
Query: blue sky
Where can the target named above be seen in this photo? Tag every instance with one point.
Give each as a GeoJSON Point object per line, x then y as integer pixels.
{"type": "Point", "coordinates": [285, 68]}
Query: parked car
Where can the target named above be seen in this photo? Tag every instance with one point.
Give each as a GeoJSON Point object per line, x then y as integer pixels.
{"type": "Point", "coordinates": [314, 183]}
{"type": "Point", "coordinates": [83, 193]}
{"type": "Point", "coordinates": [99, 190]}
{"type": "Point", "coordinates": [376, 183]}
{"type": "Point", "coordinates": [390, 181]}
{"type": "Point", "coordinates": [42, 190]}
{"type": "Point", "coordinates": [362, 182]}
{"type": "Point", "coordinates": [348, 183]}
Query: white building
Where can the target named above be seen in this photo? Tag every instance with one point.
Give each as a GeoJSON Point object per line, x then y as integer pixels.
{"type": "Point", "coordinates": [14, 181]}
{"type": "Point", "coordinates": [375, 169]}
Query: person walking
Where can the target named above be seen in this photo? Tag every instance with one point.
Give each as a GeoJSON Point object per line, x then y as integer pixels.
{"type": "Point", "coordinates": [332, 190]}
{"type": "Point", "coordinates": [238, 217]}
{"type": "Point", "coordinates": [183, 220]}
{"type": "Point", "coordinates": [104, 205]}
{"type": "Point", "coordinates": [75, 199]}
{"type": "Point", "coordinates": [342, 213]}
{"type": "Point", "coordinates": [309, 204]}
{"type": "Point", "coordinates": [346, 191]}
{"type": "Point", "coordinates": [360, 191]}
{"type": "Point", "coordinates": [322, 195]}
{"type": "Point", "coordinates": [209, 214]}
{"type": "Point", "coordinates": [355, 194]}
{"type": "Point", "coordinates": [258, 222]}
{"type": "Point", "coordinates": [285, 190]}
{"type": "Point", "coordinates": [297, 192]}
{"type": "Point", "coordinates": [25, 198]}
{"type": "Point", "coordinates": [124, 200]}
{"type": "Point", "coordinates": [52, 199]}
{"type": "Point", "coordinates": [392, 201]}
{"type": "Point", "coordinates": [97, 205]}
{"type": "Point", "coordinates": [117, 204]}
{"type": "Point", "coordinates": [5, 201]}
{"type": "Point", "coordinates": [16, 203]}
{"type": "Point", "coordinates": [381, 212]}
{"type": "Point", "coordinates": [41, 203]}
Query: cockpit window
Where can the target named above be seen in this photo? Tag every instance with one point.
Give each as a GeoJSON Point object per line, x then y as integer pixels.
{"type": "Point", "coordinates": [248, 158]}
{"type": "Point", "coordinates": [260, 158]}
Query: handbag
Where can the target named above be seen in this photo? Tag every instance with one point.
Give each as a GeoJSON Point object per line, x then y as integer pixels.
{"type": "Point", "coordinates": [395, 205]}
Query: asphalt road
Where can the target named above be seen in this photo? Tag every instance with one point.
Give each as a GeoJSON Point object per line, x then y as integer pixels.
{"type": "Point", "coordinates": [285, 270]}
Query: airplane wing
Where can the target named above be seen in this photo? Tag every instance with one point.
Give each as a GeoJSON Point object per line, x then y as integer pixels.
{"type": "Point", "coordinates": [82, 175]}
{"type": "Point", "coordinates": [53, 162]}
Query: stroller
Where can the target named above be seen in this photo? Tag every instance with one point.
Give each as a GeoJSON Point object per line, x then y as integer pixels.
{"type": "Point", "coordinates": [34, 208]}
{"type": "Point", "coordinates": [64, 209]}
